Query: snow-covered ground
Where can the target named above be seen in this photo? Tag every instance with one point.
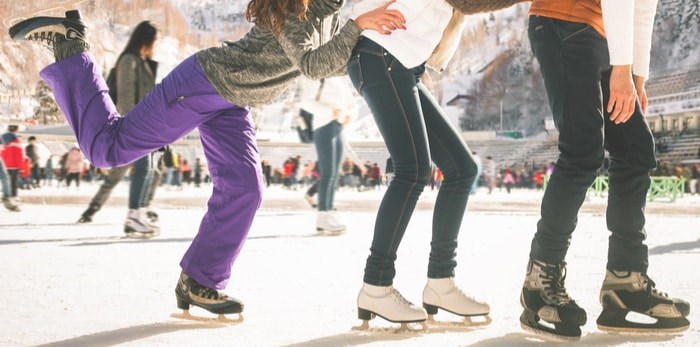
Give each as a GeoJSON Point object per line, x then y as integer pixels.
{"type": "Point", "coordinates": [65, 284]}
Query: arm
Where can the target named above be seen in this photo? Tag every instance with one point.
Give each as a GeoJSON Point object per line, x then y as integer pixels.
{"type": "Point", "coordinates": [628, 27]}
{"type": "Point", "coordinates": [644, 13]}
{"type": "Point", "coordinates": [126, 83]}
{"type": "Point", "coordinates": [476, 6]}
{"type": "Point", "coordinates": [329, 57]}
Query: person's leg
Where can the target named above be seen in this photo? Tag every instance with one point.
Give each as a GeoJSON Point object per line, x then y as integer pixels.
{"type": "Point", "coordinates": [338, 145]}
{"type": "Point", "coordinates": [232, 155]}
{"type": "Point", "coordinates": [325, 150]}
{"type": "Point", "coordinates": [4, 181]}
{"type": "Point", "coordinates": [627, 286]}
{"type": "Point", "coordinates": [113, 177]}
{"type": "Point", "coordinates": [156, 177]}
{"type": "Point", "coordinates": [572, 56]}
{"type": "Point", "coordinates": [631, 148]}
{"type": "Point", "coordinates": [452, 155]}
{"type": "Point", "coordinates": [14, 181]}
{"type": "Point", "coordinates": [139, 182]}
{"type": "Point", "coordinates": [183, 100]}
{"type": "Point", "coordinates": [390, 91]}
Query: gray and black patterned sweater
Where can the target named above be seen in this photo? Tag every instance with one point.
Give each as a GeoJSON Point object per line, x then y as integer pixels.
{"type": "Point", "coordinates": [256, 69]}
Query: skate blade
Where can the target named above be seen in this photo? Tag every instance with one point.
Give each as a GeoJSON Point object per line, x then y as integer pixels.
{"type": "Point", "coordinates": [642, 330]}
{"type": "Point", "coordinates": [65, 5]}
{"type": "Point", "coordinates": [404, 328]}
{"type": "Point", "coordinates": [135, 235]}
{"type": "Point", "coordinates": [548, 336]}
{"type": "Point", "coordinates": [221, 319]}
{"type": "Point", "coordinates": [467, 322]}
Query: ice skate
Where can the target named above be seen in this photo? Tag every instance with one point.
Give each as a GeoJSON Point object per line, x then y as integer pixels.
{"type": "Point", "coordinates": [153, 217]}
{"type": "Point", "coordinates": [549, 312]}
{"type": "Point", "coordinates": [47, 30]}
{"type": "Point", "coordinates": [624, 292]}
{"type": "Point", "coordinates": [326, 225]}
{"type": "Point", "coordinates": [137, 227]}
{"type": "Point", "coordinates": [310, 200]}
{"type": "Point", "coordinates": [10, 205]}
{"type": "Point", "coordinates": [86, 217]}
{"type": "Point", "coordinates": [444, 294]}
{"type": "Point", "coordinates": [189, 292]}
{"type": "Point", "coordinates": [388, 303]}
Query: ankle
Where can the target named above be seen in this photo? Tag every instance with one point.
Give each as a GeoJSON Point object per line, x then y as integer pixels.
{"type": "Point", "coordinates": [64, 48]}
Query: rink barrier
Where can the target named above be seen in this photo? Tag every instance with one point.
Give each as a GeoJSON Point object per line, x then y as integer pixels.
{"type": "Point", "coordinates": [661, 187]}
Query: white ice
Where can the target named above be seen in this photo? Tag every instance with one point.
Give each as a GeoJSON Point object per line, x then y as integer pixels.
{"type": "Point", "coordinates": [65, 284]}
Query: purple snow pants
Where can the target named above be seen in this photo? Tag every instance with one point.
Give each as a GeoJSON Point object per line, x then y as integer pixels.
{"type": "Point", "coordinates": [184, 100]}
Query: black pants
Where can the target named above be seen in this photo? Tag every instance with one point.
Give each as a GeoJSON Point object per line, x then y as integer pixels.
{"type": "Point", "coordinates": [14, 181]}
{"type": "Point", "coordinates": [575, 66]}
{"type": "Point", "coordinates": [416, 132]}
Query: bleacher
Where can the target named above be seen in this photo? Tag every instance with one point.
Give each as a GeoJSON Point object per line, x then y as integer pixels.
{"type": "Point", "coordinates": [683, 147]}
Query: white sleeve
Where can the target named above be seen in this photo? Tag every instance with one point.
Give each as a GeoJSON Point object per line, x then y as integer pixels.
{"type": "Point", "coordinates": [644, 13]}
{"type": "Point", "coordinates": [618, 18]}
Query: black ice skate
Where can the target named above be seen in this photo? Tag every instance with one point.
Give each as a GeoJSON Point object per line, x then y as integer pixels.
{"type": "Point", "coordinates": [189, 292]}
{"type": "Point", "coordinates": [544, 298]}
{"type": "Point", "coordinates": [47, 30]}
{"type": "Point", "coordinates": [625, 292]}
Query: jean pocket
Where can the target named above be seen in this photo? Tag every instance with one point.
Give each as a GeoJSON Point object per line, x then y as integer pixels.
{"type": "Point", "coordinates": [355, 72]}
{"type": "Point", "coordinates": [569, 30]}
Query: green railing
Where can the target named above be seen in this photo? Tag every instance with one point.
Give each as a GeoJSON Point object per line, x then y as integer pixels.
{"type": "Point", "coordinates": [666, 187]}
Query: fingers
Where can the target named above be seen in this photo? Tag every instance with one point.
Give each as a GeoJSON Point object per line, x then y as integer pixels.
{"type": "Point", "coordinates": [643, 101]}
{"type": "Point", "coordinates": [621, 109]}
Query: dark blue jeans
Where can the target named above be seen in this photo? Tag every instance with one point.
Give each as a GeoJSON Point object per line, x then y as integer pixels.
{"type": "Point", "coordinates": [416, 132]}
{"type": "Point", "coordinates": [576, 70]}
{"type": "Point", "coordinates": [329, 148]}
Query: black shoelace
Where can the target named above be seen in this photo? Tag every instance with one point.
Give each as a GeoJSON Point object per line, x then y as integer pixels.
{"type": "Point", "coordinates": [553, 279]}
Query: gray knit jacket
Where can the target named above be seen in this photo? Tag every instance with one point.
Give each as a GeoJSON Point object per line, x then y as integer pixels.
{"type": "Point", "coordinates": [258, 68]}
{"type": "Point", "coordinates": [476, 6]}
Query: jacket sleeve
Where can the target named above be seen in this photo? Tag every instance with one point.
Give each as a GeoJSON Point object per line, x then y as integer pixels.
{"type": "Point", "coordinates": [324, 60]}
{"type": "Point", "coordinates": [126, 83]}
{"type": "Point", "coordinates": [476, 6]}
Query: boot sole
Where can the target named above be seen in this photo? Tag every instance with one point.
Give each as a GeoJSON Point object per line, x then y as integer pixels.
{"type": "Point", "coordinates": [20, 30]}
{"type": "Point", "coordinates": [433, 309]}
{"type": "Point", "coordinates": [365, 314]}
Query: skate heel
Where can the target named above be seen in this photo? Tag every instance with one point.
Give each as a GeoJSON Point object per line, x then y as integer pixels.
{"type": "Point", "coordinates": [182, 304]}
{"type": "Point", "coordinates": [365, 314]}
{"type": "Point", "coordinates": [430, 309]}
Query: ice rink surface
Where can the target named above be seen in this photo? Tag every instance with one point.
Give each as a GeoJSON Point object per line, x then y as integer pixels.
{"type": "Point", "coordinates": [66, 284]}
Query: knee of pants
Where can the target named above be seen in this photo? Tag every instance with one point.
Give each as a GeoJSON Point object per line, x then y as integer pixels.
{"type": "Point", "coordinates": [582, 163]}
{"type": "Point", "coordinates": [418, 175]}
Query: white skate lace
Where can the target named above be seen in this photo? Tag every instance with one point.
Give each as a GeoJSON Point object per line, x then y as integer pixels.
{"type": "Point", "coordinates": [397, 297]}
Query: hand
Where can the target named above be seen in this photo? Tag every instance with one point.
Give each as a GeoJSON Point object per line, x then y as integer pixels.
{"type": "Point", "coordinates": [622, 94]}
{"type": "Point", "coordinates": [382, 20]}
{"type": "Point", "coordinates": [641, 91]}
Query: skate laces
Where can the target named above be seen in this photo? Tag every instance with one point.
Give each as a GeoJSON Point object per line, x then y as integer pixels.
{"type": "Point", "coordinates": [206, 292]}
{"type": "Point", "coordinates": [397, 297]}
{"type": "Point", "coordinates": [651, 286]}
{"type": "Point", "coordinates": [47, 38]}
{"type": "Point", "coordinates": [553, 278]}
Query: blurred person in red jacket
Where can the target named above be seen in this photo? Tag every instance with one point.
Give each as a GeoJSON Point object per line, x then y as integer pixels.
{"type": "Point", "coordinates": [12, 156]}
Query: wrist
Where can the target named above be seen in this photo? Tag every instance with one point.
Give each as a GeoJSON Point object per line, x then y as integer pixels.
{"type": "Point", "coordinates": [622, 69]}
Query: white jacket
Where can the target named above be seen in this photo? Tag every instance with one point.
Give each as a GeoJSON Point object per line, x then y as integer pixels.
{"type": "Point", "coordinates": [333, 101]}
{"type": "Point", "coordinates": [628, 28]}
{"type": "Point", "coordinates": [425, 22]}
